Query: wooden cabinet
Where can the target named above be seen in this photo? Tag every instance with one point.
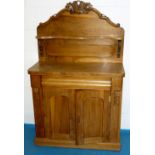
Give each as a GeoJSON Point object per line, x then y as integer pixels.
{"type": "Point", "coordinates": [77, 83]}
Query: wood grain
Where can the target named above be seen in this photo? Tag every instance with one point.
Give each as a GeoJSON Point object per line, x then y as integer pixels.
{"type": "Point", "coordinates": [77, 82]}
{"type": "Point", "coordinates": [94, 35]}
{"type": "Point", "coordinates": [99, 146]}
{"type": "Point", "coordinates": [38, 106]}
{"type": "Point", "coordinates": [70, 69]}
{"type": "Point", "coordinates": [60, 113]}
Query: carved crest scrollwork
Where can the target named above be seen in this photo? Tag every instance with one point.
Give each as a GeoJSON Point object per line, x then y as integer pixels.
{"type": "Point", "coordinates": [78, 7]}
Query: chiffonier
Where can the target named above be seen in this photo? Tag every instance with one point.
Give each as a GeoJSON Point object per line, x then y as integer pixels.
{"type": "Point", "coordinates": [77, 82]}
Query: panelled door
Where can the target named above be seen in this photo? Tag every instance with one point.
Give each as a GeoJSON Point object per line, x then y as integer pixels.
{"type": "Point", "coordinates": [59, 114]}
{"type": "Point", "coordinates": [92, 116]}
{"type": "Point", "coordinates": [77, 115]}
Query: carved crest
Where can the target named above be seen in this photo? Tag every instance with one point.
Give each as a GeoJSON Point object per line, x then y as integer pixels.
{"type": "Point", "coordinates": [78, 7]}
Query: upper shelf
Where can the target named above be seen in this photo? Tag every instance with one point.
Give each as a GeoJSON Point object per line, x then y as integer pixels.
{"type": "Point", "coordinates": [80, 33]}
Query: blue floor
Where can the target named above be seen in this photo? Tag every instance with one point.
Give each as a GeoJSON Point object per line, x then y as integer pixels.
{"type": "Point", "coordinates": [31, 149]}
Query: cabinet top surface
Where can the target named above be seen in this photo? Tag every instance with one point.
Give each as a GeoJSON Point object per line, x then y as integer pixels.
{"type": "Point", "coordinates": [105, 69]}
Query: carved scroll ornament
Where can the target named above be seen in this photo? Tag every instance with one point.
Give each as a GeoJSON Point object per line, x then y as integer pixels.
{"type": "Point", "coordinates": [78, 7]}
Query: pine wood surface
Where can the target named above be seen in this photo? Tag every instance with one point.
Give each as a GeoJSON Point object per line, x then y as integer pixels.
{"type": "Point", "coordinates": [77, 82]}
{"type": "Point", "coordinates": [107, 69]}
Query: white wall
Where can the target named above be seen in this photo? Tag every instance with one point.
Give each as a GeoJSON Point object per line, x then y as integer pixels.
{"type": "Point", "coordinates": [37, 11]}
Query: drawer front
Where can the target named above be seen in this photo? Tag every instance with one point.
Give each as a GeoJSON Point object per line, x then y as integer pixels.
{"type": "Point", "coordinates": [73, 83]}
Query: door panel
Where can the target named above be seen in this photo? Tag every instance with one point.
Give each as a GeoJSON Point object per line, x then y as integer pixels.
{"type": "Point", "coordinates": [92, 110]}
{"type": "Point", "coordinates": [91, 116]}
{"type": "Point", "coordinates": [60, 114]}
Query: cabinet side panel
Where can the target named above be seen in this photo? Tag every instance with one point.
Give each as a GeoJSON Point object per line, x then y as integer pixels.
{"type": "Point", "coordinates": [38, 106]}
{"type": "Point", "coordinates": [116, 95]}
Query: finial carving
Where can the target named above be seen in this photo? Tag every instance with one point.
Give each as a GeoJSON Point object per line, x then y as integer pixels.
{"type": "Point", "coordinates": [78, 7]}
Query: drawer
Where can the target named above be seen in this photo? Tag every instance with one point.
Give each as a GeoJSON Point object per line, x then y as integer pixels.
{"type": "Point", "coordinates": [77, 83]}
